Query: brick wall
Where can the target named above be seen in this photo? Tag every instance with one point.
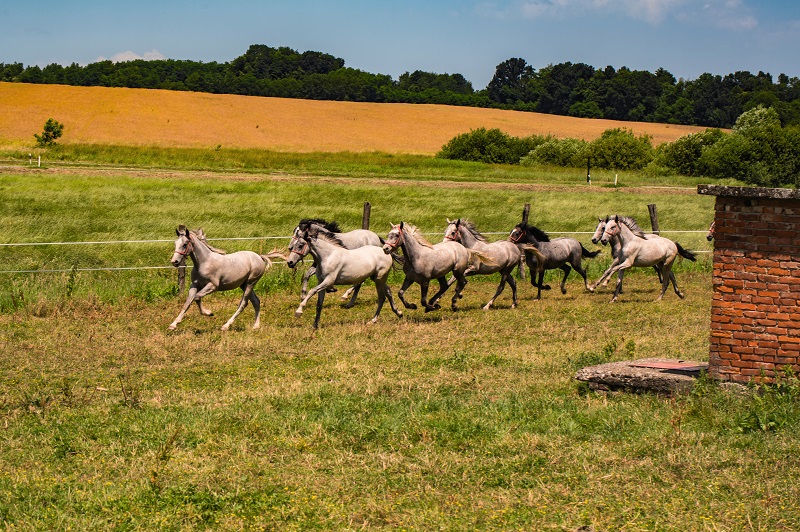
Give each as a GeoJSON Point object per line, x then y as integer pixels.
{"type": "Point", "coordinates": [755, 312]}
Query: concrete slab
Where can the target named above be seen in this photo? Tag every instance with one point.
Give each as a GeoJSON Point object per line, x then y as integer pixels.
{"type": "Point", "coordinates": [657, 375]}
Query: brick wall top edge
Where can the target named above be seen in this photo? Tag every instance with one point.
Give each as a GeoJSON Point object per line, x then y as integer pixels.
{"type": "Point", "coordinates": [748, 192]}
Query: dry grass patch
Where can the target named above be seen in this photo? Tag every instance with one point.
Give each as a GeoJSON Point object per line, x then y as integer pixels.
{"type": "Point", "coordinates": [143, 117]}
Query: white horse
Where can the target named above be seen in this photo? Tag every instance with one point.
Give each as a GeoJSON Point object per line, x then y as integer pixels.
{"type": "Point", "coordinates": [635, 250]}
{"type": "Point", "coordinates": [214, 271]}
{"type": "Point", "coordinates": [505, 255]}
{"type": "Point", "coordinates": [337, 265]}
{"type": "Point", "coordinates": [351, 240]}
{"type": "Point", "coordinates": [425, 261]}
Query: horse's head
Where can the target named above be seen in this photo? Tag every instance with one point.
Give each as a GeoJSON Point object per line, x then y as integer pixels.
{"type": "Point", "coordinates": [611, 230]}
{"type": "Point", "coordinates": [517, 234]}
{"type": "Point", "coordinates": [453, 231]}
{"type": "Point", "coordinates": [598, 232]}
{"type": "Point", "coordinates": [394, 238]}
{"type": "Point", "coordinates": [711, 231]}
{"type": "Point", "coordinates": [298, 248]}
{"type": "Point", "coordinates": [183, 245]}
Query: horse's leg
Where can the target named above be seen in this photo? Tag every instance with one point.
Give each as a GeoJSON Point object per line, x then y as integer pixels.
{"type": "Point", "coordinates": [306, 276]}
{"type": "Point", "coordinates": [460, 284]}
{"type": "Point", "coordinates": [566, 268]}
{"type": "Point", "coordinates": [666, 270]}
{"type": "Point", "coordinates": [320, 301]}
{"type": "Point", "coordinates": [355, 290]}
{"type": "Point", "coordinates": [203, 310]}
{"type": "Point", "coordinates": [247, 291]}
{"type": "Point", "coordinates": [406, 283]}
{"type": "Point", "coordinates": [391, 303]}
{"type": "Point", "coordinates": [513, 284]}
{"type": "Point", "coordinates": [579, 268]}
{"type": "Point", "coordinates": [348, 293]}
{"type": "Point", "coordinates": [606, 275]}
{"type": "Point", "coordinates": [380, 286]}
{"type": "Point", "coordinates": [423, 297]}
{"type": "Point", "coordinates": [675, 284]}
{"type": "Point", "coordinates": [444, 284]}
{"type": "Point", "coordinates": [497, 292]}
{"type": "Point", "coordinates": [194, 293]}
{"type": "Point", "coordinates": [618, 287]}
{"type": "Point", "coordinates": [320, 287]}
{"type": "Point", "coordinates": [539, 285]}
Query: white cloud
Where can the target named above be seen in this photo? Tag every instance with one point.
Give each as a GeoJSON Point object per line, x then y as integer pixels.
{"type": "Point", "coordinates": [728, 14]}
{"type": "Point", "coordinates": [121, 57]}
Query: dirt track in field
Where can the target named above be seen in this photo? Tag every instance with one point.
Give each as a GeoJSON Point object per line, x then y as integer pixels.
{"type": "Point", "coordinates": [53, 169]}
{"type": "Point", "coordinates": [143, 117]}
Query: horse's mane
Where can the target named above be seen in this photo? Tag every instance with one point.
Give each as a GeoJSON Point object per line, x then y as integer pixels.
{"type": "Point", "coordinates": [305, 223]}
{"type": "Point", "coordinates": [470, 226]}
{"type": "Point", "coordinates": [200, 236]}
{"type": "Point", "coordinates": [414, 231]}
{"type": "Point", "coordinates": [537, 233]}
{"type": "Point", "coordinates": [632, 225]}
{"type": "Point", "coordinates": [326, 235]}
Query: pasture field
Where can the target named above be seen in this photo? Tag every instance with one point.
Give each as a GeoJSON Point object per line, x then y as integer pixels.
{"type": "Point", "coordinates": [451, 421]}
{"type": "Point", "coordinates": [141, 117]}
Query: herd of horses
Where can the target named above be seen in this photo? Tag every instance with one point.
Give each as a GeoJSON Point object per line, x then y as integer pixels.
{"type": "Point", "coordinates": [350, 258]}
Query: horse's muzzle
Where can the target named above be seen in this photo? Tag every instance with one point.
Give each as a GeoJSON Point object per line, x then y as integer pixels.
{"type": "Point", "coordinates": [387, 248]}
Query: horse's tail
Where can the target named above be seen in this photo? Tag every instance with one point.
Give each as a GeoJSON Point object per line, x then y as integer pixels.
{"type": "Point", "coordinates": [589, 254]}
{"type": "Point", "coordinates": [685, 253]}
{"type": "Point", "coordinates": [540, 258]}
{"type": "Point", "coordinates": [274, 254]}
{"type": "Point", "coordinates": [479, 256]}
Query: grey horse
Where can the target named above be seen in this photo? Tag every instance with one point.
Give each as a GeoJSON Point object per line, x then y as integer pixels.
{"type": "Point", "coordinates": [337, 265]}
{"type": "Point", "coordinates": [424, 261]}
{"type": "Point", "coordinates": [635, 250]}
{"type": "Point", "coordinates": [214, 271]}
{"type": "Point", "coordinates": [350, 240]}
{"type": "Point", "coordinates": [562, 253]}
{"type": "Point", "coordinates": [505, 255]}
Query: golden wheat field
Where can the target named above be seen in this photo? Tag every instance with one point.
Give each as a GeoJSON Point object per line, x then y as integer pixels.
{"type": "Point", "coordinates": [144, 117]}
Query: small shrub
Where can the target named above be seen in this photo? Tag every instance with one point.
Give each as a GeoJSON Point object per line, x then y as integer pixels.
{"type": "Point", "coordinates": [52, 131]}
{"type": "Point", "coordinates": [683, 154]}
{"type": "Point", "coordinates": [619, 149]}
{"type": "Point", "coordinates": [489, 146]}
{"type": "Point", "coordinates": [558, 152]}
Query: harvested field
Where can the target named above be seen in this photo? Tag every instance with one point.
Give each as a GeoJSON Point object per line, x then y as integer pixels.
{"type": "Point", "coordinates": [141, 117]}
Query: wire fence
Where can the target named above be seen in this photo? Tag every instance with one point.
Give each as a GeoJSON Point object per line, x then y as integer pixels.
{"type": "Point", "coordinates": [224, 239]}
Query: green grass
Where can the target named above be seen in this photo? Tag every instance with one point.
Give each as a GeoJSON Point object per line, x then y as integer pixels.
{"type": "Point", "coordinates": [465, 420]}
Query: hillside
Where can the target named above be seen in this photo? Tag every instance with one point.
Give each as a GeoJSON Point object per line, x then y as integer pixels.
{"type": "Point", "coordinates": [187, 119]}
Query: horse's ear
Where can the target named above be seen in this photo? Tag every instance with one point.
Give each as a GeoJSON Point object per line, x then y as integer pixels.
{"type": "Point", "coordinates": [181, 230]}
{"type": "Point", "coordinates": [448, 221]}
{"type": "Point", "coordinates": [401, 224]}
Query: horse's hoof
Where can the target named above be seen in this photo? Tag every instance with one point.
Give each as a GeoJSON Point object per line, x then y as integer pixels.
{"type": "Point", "coordinates": [223, 328]}
{"type": "Point", "coordinates": [172, 327]}
{"type": "Point", "coordinates": [298, 313]}
{"type": "Point", "coordinates": [400, 314]}
{"type": "Point", "coordinates": [487, 307]}
{"type": "Point", "coordinates": [680, 295]}
{"type": "Point", "coordinates": [411, 306]}
{"type": "Point", "coordinates": [546, 287]}
{"type": "Point", "coordinates": [348, 305]}
{"type": "Point", "coordinates": [564, 291]}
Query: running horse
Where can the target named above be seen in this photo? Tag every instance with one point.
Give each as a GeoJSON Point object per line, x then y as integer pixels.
{"type": "Point", "coordinates": [216, 272]}
{"type": "Point", "coordinates": [504, 254]}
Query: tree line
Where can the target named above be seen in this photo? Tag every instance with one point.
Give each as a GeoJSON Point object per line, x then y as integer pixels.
{"type": "Point", "coordinates": [571, 89]}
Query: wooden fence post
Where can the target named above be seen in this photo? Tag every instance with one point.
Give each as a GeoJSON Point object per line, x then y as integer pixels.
{"type": "Point", "coordinates": [653, 218]}
{"type": "Point", "coordinates": [521, 271]}
{"type": "Point", "coordinates": [365, 216]}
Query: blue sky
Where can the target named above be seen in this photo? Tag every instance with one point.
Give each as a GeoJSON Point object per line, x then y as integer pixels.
{"type": "Point", "coordinates": [686, 37]}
